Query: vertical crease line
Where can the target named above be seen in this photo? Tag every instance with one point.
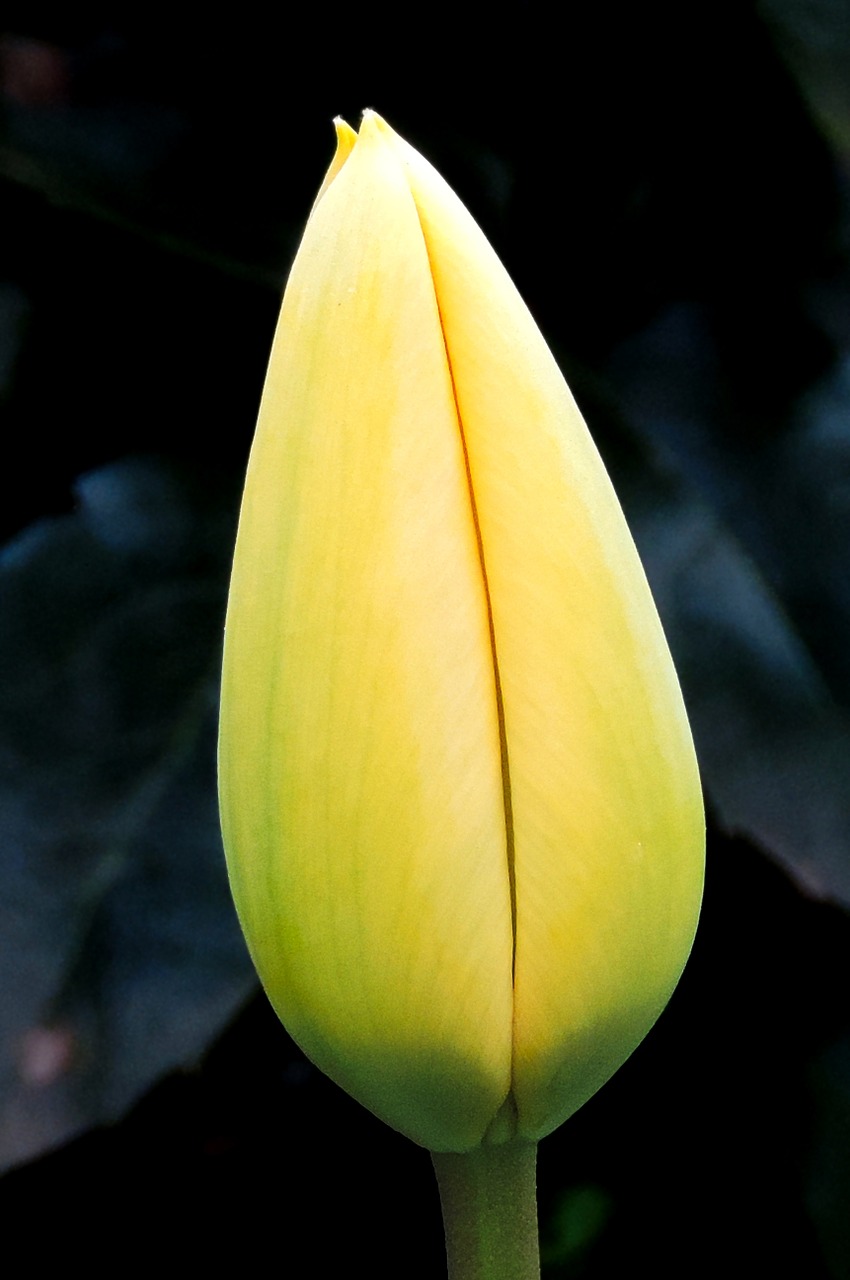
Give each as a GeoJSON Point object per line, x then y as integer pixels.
{"type": "Point", "coordinates": [500, 705]}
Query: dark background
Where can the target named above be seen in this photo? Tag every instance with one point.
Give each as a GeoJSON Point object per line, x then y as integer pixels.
{"type": "Point", "coordinates": [668, 185]}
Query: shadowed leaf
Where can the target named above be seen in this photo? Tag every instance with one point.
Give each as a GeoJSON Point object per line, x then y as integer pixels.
{"type": "Point", "coordinates": [120, 954]}
{"type": "Point", "coordinates": [744, 546]}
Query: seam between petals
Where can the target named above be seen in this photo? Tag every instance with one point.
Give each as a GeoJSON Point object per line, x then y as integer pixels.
{"type": "Point", "coordinates": [500, 705]}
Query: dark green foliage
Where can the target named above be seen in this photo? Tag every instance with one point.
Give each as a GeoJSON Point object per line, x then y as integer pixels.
{"type": "Point", "coordinates": [121, 958]}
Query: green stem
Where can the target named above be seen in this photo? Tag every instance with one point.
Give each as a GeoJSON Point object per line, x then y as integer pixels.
{"type": "Point", "coordinates": [489, 1199]}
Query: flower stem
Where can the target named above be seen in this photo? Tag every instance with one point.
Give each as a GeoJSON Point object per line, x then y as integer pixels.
{"type": "Point", "coordinates": [489, 1199]}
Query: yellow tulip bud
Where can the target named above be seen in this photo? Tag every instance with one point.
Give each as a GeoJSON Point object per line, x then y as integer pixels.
{"type": "Point", "coordinates": [459, 795]}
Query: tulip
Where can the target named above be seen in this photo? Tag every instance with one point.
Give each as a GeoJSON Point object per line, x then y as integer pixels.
{"type": "Point", "coordinates": [459, 795]}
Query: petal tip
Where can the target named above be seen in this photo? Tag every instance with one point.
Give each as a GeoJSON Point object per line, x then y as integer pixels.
{"type": "Point", "coordinates": [345, 140]}
{"type": "Point", "coordinates": [345, 135]}
{"type": "Point", "coordinates": [372, 123]}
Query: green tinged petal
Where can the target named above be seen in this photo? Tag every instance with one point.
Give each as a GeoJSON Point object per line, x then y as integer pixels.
{"type": "Point", "coordinates": [360, 768]}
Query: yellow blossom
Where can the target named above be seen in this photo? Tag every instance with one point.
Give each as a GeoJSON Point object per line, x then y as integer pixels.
{"type": "Point", "coordinates": [459, 795]}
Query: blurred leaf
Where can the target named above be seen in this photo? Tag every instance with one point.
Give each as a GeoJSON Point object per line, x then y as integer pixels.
{"type": "Point", "coordinates": [176, 141]}
{"type": "Point", "coordinates": [121, 956]}
{"type": "Point", "coordinates": [578, 1219]}
{"type": "Point", "coordinates": [746, 544]}
{"type": "Point", "coordinates": [774, 748]}
{"type": "Point", "coordinates": [813, 38]}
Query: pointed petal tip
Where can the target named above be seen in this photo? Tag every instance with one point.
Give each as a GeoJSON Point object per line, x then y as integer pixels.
{"type": "Point", "coordinates": [372, 123]}
{"type": "Point", "coordinates": [345, 135]}
{"type": "Point", "coordinates": [345, 140]}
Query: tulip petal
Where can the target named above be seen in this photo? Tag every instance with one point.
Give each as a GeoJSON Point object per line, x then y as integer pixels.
{"type": "Point", "coordinates": [608, 831]}
{"type": "Point", "coordinates": [459, 794]}
{"type": "Point", "coordinates": [346, 139]}
{"type": "Point", "coordinates": [360, 757]}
